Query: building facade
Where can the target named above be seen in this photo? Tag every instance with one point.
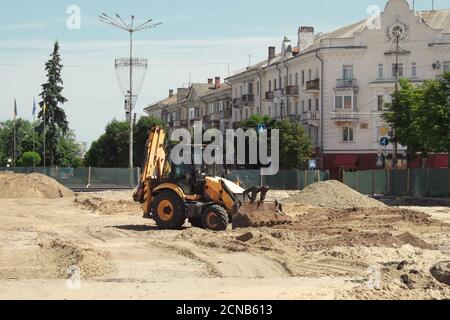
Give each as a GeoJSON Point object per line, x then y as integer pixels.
{"type": "Point", "coordinates": [334, 84]}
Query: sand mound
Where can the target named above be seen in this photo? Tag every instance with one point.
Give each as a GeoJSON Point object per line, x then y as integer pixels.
{"type": "Point", "coordinates": [333, 194]}
{"type": "Point", "coordinates": [104, 206]}
{"type": "Point", "coordinates": [34, 185]}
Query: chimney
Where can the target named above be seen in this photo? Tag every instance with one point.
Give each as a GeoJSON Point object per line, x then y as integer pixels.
{"type": "Point", "coordinates": [286, 48]}
{"type": "Point", "coordinates": [182, 93]}
{"type": "Point", "coordinates": [217, 83]}
{"type": "Point", "coordinates": [170, 93]}
{"type": "Point", "coordinates": [271, 53]}
{"type": "Point", "coordinates": [210, 81]}
{"type": "Point", "coordinates": [305, 37]}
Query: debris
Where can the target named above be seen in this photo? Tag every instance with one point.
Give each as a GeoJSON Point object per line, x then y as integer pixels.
{"type": "Point", "coordinates": [245, 237]}
{"type": "Point", "coordinates": [441, 272]}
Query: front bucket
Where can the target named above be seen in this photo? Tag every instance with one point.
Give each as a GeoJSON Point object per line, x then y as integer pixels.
{"type": "Point", "coordinates": [259, 215]}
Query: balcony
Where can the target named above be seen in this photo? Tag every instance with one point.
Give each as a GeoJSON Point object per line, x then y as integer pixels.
{"type": "Point", "coordinates": [313, 85]}
{"type": "Point", "coordinates": [227, 114]}
{"type": "Point", "coordinates": [292, 91]}
{"type": "Point", "coordinates": [183, 123]}
{"type": "Point", "coordinates": [269, 95]}
{"type": "Point", "coordinates": [349, 115]}
{"type": "Point", "coordinates": [236, 102]}
{"type": "Point", "coordinates": [345, 84]}
{"type": "Point", "coordinates": [311, 115]}
{"type": "Point", "coordinates": [248, 99]}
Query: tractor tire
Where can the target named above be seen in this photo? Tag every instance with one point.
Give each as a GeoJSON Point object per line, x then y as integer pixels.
{"type": "Point", "coordinates": [215, 218]}
{"type": "Point", "coordinates": [196, 222]}
{"type": "Point", "coordinates": [168, 211]}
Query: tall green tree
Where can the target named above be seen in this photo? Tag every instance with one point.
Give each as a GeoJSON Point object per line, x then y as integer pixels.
{"type": "Point", "coordinates": [53, 116]}
{"type": "Point", "coordinates": [295, 148]}
{"type": "Point", "coordinates": [401, 115]}
{"type": "Point", "coordinates": [433, 116]}
{"type": "Point", "coordinates": [111, 149]}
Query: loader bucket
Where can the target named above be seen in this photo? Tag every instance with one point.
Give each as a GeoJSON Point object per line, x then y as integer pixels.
{"type": "Point", "coordinates": [259, 214]}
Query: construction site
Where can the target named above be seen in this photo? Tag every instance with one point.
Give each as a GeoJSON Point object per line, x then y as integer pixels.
{"type": "Point", "coordinates": [336, 244]}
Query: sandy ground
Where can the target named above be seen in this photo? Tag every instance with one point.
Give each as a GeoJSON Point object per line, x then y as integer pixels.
{"type": "Point", "coordinates": [324, 254]}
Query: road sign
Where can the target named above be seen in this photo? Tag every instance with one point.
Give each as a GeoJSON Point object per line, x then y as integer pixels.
{"type": "Point", "coordinates": [261, 127]}
{"type": "Point", "coordinates": [380, 162]}
{"type": "Point", "coordinates": [384, 141]}
{"type": "Point", "coordinates": [312, 164]}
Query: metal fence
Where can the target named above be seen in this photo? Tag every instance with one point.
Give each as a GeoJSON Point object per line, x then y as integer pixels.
{"type": "Point", "coordinates": [284, 180]}
{"type": "Point", "coordinates": [411, 182]}
{"type": "Point", "coordinates": [87, 177]}
{"type": "Point", "coordinates": [431, 182]}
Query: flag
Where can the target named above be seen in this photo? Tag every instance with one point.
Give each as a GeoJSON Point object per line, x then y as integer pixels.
{"type": "Point", "coordinates": [15, 109]}
{"type": "Point", "coordinates": [34, 107]}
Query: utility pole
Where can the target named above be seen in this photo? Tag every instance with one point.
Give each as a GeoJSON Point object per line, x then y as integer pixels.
{"type": "Point", "coordinates": [397, 47]}
{"type": "Point", "coordinates": [131, 29]}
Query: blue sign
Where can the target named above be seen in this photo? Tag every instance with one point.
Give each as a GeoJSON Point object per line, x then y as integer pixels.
{"type": "Point", "coordinates": [312, 164]}
{"type": "Point", "coordinates": [261, 127]}
{"type": "Point", "coordinates": [384, 141]}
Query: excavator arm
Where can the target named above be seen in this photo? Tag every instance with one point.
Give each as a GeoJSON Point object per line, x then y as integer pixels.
{"type": "Point", "coordinates": [152, 169]}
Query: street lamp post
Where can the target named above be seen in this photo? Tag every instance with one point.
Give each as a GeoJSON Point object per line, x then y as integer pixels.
{"type": "Point", "coordinates": [119, 23]}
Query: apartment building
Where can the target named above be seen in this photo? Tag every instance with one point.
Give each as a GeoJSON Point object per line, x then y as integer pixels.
{"type": "Point", "coordinates": [336, 84]}
{"type": "Point", "coordinates": [207, 102]}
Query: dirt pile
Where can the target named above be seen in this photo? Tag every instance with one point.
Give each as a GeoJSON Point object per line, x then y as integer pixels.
{"type": "Point", "coordinates": [333, 194]}
{"type": "Point", "coordinates": [104, 206]}
{"type": "Point", "coordinates": [34, 185]}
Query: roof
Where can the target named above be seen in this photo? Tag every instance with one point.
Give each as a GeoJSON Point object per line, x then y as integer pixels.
{"type": "Point", "coordinates": [223, 88]}
{"type": "Point", "coordinates": [438, 19]}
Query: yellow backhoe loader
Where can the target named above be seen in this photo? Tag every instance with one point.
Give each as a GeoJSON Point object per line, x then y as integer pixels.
{"type": "Point", "coordinates": [171, 193]}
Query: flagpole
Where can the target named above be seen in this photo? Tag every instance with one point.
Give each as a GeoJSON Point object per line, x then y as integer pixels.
{"type": "Point", "coordinates": [34, 132]}
{"type": "Point", "coordinates": [14, 133]}
{"type": "Point", "coordinates": [44, 132]}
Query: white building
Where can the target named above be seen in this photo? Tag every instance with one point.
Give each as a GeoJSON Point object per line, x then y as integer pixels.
{"type": "Point", "coordinates": [337, 83]}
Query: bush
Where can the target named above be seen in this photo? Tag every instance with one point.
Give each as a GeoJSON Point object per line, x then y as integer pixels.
{"type": "Point", "coordinates": [29, 159]}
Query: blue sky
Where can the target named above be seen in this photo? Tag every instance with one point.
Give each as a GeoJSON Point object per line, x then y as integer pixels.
{"type": "Point", "coordinates": [197, 40]}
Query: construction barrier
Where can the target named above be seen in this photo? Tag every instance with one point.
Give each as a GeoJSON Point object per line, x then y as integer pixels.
{"type": "Point", "coordinates": [429, 182]}
{"type": "Point", "coordinates": [86, 177]}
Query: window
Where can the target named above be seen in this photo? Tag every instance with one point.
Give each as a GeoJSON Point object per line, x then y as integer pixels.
{"type": "Point", "coordinates": [400, 70]}
{"type": "Point", "coordinates": [296, 79]}
{"type": "Point", "coordinates": [309, 105]}
{"type": "Point", "coordinates": [303, 77]}
{"type": "Point", "coordinates": [414, 69]}
{"type": "Point", "coordinates": [270, 85]}
{"type": "Point", "coordinates": [380, 71]}
{"type": "Point", "coordinates": [275, 84]}
{"type": "Point", "coordinates": [347, 134]}
{"type": "Point", "coordinates": [347, 72]}
{"type": "Point", "coordinates": [246, 113]}
{"type": "Point", "coordinates": [317, 73]}
{"type": "Point", "coordinates": [446, 66]}
{"type": "Point", "coordinates": [380, 103]}
{"type": "Point", "coordinates": [309, 75]}
{"type": "Point", "coordinates": [303, 106]}
{"type": "Point", "coordinates": [250, 88]}
{"type": "Point", "coordinates": [236, 115]}
{"type": "Point", "coordinates": [317, 104]}
{"type": "Point", "coordinates": [296, 107]}
{"type": "Point", "coordinates": [270, 111]}
{"type": "Point", "coordinates": [345, 102]}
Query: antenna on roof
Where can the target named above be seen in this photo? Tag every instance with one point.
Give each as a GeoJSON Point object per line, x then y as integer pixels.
{"type": "Point", "coordinates": [432, 5]}
{"type": "Point", "coordinates": [249, 60]}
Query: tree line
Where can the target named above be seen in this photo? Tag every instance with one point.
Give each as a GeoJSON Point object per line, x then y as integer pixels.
{"type": "Point", "coordinates": [47, 141]}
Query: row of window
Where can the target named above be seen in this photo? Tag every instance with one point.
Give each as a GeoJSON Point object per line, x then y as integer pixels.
{"type": "Point", "coordinates": [293, 79]}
